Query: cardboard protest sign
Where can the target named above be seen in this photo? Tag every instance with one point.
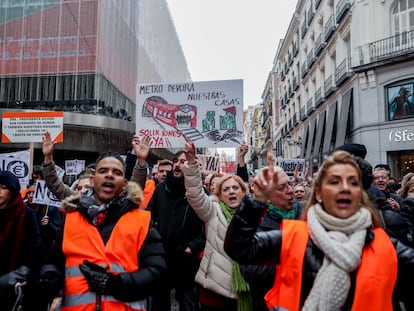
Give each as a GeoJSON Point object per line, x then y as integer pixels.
{"type": "Point", "coordinates": [42, 195]}
{"type": "Point", "coordinates": [289, 166]}
{"type": "Point", "coordinates": [74, 167]}
{"type": "Point", "coordinates": [28, 127]}
{"type": "Point", "coordinates": [208, 113]}
{"type": "Point", "coordinates": [18, 163]}
{"type": "Point", "coordinates": [209, 163]}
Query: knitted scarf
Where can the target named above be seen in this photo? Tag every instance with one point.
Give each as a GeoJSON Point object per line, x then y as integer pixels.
{"type": "Point", "coordinates": [277, 213]}
{"type": "Point", "coordinates": [239, 285]}
{"type": "Point", "coordinates": [341, 241]}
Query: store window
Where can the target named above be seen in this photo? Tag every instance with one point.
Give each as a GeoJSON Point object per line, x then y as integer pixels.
{"type": "Point", "coordinates": [400, 101]}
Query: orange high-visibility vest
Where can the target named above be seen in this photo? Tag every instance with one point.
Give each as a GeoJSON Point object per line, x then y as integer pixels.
{"type": "Point", "coordinates": [375, 279]}
{"type": "Point", "coordinates": [148, 191]}
{"type": "Point", "coordinates": [82, 241]}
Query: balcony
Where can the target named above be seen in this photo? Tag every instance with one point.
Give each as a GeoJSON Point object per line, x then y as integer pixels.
{"type": "Point", "coordinates": [311, 14]}
{"type": "Point", "coordinates": [309, 106]}
{"type": "Point", "coordinates": [302, 113]}
{"type": "Point", "coordinates": [290, 90]}
{"type": "Point", "coordinates": [290, 124]}
{"type": "Point", "coordinates": [295, 119]}
{"type": "Point", "coordinates": [283, 103]}
{"type": "Point", "coordinates": [295, 49]}
{"type": "Point", "coordinates": [303, 29]}
{"type": "Point", "coordinates": [265, 116]}
{"type": "Point", "coordinates": [343, 72]}
{"type": "Point", "coordinates": [304, 69]}
{"type": "Point", "coordinates": [295, 84]}
{"type": "Point", "coordinates": [319, 45]}
{"type": "Point", "coordinates": [329, 86]}
{"type": "Point", "coordinates": [342, 8]}
{"type": "Point", "coordinates": [290, 59]}
{"type": "Point", "coordinates": [319, 97]}
{"type": "Point", "coordinates": [310, 58]}
{"type": "Point", "coordinates": [390, 49]}
{"type": "Point", "coordinates": [329, 28]}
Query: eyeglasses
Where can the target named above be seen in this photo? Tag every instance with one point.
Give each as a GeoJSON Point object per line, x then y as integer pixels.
{"type": "Point", "coordinates": [284, 187]}
{"type": "Point", "coordinates": [381, 177]}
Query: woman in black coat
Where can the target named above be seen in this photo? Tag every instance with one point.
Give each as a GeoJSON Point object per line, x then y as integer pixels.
{"type": "Point", "coordinates": [19, 241]}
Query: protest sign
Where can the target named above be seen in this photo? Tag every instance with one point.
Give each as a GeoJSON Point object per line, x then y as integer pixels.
{"type": "Point", "coordinates": [74, 167]}
{"type": "Point", "coordinates": [42, 195]}
{"type": "Point", "coordinates": [17, 163]}
{"type": "Point", "coordinates": [289, 165]}
{"type": "Point", "coordinates": [209, 113]}
{"type": "Point", "coordinates": [209, 164]}
{"type": "Point", "coordinates": [28, 127]}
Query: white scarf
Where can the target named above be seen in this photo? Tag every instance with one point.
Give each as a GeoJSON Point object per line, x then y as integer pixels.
{"type": "Point", "coordinates": [341, 241]}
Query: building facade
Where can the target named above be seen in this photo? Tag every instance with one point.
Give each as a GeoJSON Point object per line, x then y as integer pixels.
{"type": "Point", "coordinates": [346, 77]}
{"type": "Point", "coordinates": [85, 58]}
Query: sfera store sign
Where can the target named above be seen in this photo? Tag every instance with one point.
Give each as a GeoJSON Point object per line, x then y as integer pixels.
{"type": "Point", "coordinates": [401, 136]}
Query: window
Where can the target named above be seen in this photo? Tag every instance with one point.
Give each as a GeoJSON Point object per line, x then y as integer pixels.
{"type": "Point", "coordinates": [400, 101]}
{"type": "Point", "coordinates": [403, 22]}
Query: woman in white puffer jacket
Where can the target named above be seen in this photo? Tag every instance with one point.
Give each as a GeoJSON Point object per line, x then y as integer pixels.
{"type": "Point", "coordinates": [221, 285]}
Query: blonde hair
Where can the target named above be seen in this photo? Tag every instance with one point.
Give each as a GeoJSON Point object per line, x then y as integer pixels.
{"type": "Point", "coordinates": [238, 179]}
{"type": "Point", "coordinates": [405, 185]}
{"type": "Point", "coordinates": [340, 157]}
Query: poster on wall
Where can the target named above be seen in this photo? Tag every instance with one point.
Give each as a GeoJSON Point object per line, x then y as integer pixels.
{"type": "Point", "coordinates": [400, 101]}
{"type": "Point", "coordinates": [209, 113]}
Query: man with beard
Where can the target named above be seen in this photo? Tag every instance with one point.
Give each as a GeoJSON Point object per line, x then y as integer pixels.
{"type": "Point", "coordinates": [109, 256]}
{"type": "Point", "coordinates": [183, 236]}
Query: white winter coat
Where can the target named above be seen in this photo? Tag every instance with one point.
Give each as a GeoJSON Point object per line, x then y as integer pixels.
{"type": "Point", "coordinates": [215, 268]}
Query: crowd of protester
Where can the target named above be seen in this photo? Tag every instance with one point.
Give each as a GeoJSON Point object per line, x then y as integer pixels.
{"type": "Point", "coordinates": [126, 235]}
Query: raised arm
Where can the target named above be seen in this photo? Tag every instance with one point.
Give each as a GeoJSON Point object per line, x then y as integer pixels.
{"type": "Point", "coordinates": [243, 243]}
{"type": "Point", "coordinates": [53, 183]}
{"type": "Point", "coordinates": [241, 163]}
{"type": "Point", "coordinates": [140, 148]}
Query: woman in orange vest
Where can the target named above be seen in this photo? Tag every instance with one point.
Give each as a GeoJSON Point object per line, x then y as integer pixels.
{"type": "Point", "coordinates": [337, 258]}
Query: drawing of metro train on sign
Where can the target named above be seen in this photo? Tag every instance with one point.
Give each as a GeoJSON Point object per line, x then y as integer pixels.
{"type": "Point", "coordinates": [172, 115]}
{"type": "Point", "coordinates": [181, 117]}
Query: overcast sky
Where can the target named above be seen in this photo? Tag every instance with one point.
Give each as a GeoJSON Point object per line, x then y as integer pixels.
{"type": "Point", "coordinates": [232, 39]}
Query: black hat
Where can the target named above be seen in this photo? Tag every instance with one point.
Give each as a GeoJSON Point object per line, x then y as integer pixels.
{"type": "Point", "coordinates": [9, 180]}
{"type": "Point", "coordinates": [356, 150]}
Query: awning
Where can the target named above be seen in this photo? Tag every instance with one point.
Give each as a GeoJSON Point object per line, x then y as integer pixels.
{"type": "Point", "coordinates": [343, 120]}
{"type": "Point", "coordinates": [311, 138]}
{"type": "Point", "coordinates": [304, 141]}
{"type": "Point", "coordinates": [319, 132]}
{"type": "Point", "coordinates": [329, 128]}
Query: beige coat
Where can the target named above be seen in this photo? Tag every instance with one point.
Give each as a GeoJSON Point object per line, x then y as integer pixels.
{"type": "Point", "coordinates": [215, 268]}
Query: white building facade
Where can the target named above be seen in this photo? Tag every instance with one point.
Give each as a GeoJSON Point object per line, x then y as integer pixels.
{"type": "Point", "coordinates": [346, 76]}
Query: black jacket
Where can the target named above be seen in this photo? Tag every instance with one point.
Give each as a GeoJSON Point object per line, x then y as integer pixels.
{"type": "Point", "coordinates": [179, 227]}
{"type": "Point", "coordinates": [245, 245]}
{"type": "Point", "coordinates": [262, 277]}
{"type": "Point", "coordinates": [130, 286]}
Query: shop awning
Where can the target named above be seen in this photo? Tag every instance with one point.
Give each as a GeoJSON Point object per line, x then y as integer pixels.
{"type": "Point", "coordinates": [343, 120]}
{"type": "Point", "coordinates": [310, 138]}
{"type": "Point", "coordinates": [329, 128]}
{"type": "Point", "coordinates": [319, 132]}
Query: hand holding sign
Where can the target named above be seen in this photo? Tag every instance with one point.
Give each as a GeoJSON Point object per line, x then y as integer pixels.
{"type": "Point", "coordinates": [189, 150]}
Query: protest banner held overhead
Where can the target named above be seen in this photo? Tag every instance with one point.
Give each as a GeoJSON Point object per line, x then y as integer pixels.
{"type": "Point", "coordinates": [209, 113]}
